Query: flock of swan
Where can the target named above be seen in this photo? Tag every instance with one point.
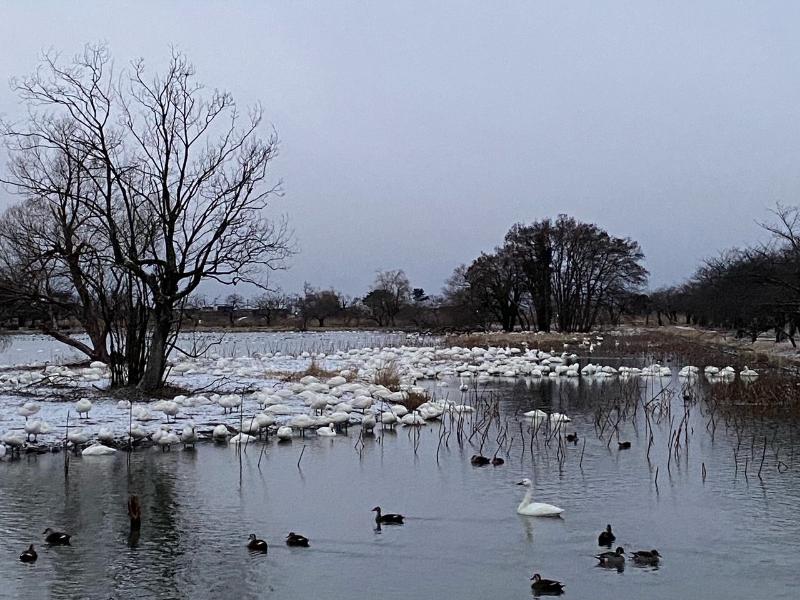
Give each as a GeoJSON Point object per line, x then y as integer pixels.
{"type": "Point", "coordinates": [288, 409]}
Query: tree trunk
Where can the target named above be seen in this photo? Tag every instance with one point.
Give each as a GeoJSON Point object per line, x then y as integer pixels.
{"type": "Point", "coordinates": [153, 376]}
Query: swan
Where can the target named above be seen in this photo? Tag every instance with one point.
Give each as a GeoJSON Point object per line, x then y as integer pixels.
{"type": "Point", "coordinates": [33, 428]}
{"type": "Point", "coordinates": [388, 419]}
{"type": "Point", "coordinates": [329, 431]}
{"type": "Point", "coordinates": [284, 433]}
{"type": "Point", "coordinates": [98, 450]}
{"type": "Point", "coordinates": [170, 409]}
{"type": "Point", "coordinates": [31, 408]}
{"type": "Point", "coordinates": [368, 422]}
{"type": "Point", "coordinates": [82, 407]}
{"type": "Point", "coordinates": [535, 416]}
{"type": "Point", "coordinates": [535, 509]}
{"type": "Point", "coordinates": [188, 435]}
{"type": "Point", "coordinates": [77, 437]}
{"type": "Point", "coordinates": [220, 432]}
{"type": "Point", "coordinates": [242, 438]}
{"type": "Point", "coordinates": [105, 435]}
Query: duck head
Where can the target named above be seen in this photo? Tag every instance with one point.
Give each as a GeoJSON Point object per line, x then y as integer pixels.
{"type": "Point", "coordinates": [525, 481]}
{"type": "Point", "coordinates": [252, 536]}
{"type": "Point", "coordinates": [47, 531]}
{"type": "Point", "coordinates": [376, 509]}
{"type": "Point", "coordinates": [536, 577]}
{"type": "Point", "coordinates": [620, 550]}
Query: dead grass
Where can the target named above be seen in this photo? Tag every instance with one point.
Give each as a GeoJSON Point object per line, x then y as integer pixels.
{"type": "Point", "coordinates": [388, 376]}
{"type": "Point", "coordinates": [414, 400]}
{"type": "Point", "coordinates": [314, 370]}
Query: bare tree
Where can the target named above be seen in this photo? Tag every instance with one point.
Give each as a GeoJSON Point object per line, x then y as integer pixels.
{"type": "Point", "coordinates": [176, 180]}
{"type": "Point", "coordinates": [390, 292]}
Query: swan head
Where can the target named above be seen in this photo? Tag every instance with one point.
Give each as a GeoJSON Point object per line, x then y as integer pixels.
{"type": "Point", "coordinates": [526, 482]}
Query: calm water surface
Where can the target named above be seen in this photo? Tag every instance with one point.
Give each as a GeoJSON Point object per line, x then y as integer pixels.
{"type": "Point", "coordinates": [725, 537]}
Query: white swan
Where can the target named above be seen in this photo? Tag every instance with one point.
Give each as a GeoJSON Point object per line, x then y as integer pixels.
{"type": "Point", "coordinates": [329, 431]}
{"type": "Point", "coordinates": [535, 509]}
{"type": "Point", "coordinates": [98, 450]}
{"type": "Point", "coordinates": [82, 407]}
{"type": "Point", "coordinates": [284, 433]}
{"type": "Point", "coordinates": [188, 435]}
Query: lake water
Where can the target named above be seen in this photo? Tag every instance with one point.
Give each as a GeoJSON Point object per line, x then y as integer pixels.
{"type": "Point", "coordinates": [725, 536]}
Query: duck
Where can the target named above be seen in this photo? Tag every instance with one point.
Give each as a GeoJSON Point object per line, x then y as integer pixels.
{"type": "Point", "coordinates": [624, 445]}
{"type": "Point", "coordinates": [256, 545]}
{"type": "Point", "coordinates": [329, 431]}
{"type": "Point", "coordinates": [479, 461]}
{"type": "Point", "coordinates": [535, 509]}
{"type": "Point", "coordinates": [56, 538]}
{"type": "Point", "coordinates": [82, 407]}
{"type": "Point", "coordinates": [572, 437]}
{"type": "Point", "coordinates": [607, 537]}
{"type": "Point", "coordinates": [612, 559]}
{"type": "Point", "coordinates": [646, 557]}
{"type": "Point", "coordinates": [295, 539]}
{"type": "Point", "coordinates": [387, 519]}
{"type": "Point", "coordinates": [546, 586]}
{"type": "Point", "coordinates": [29, 556]}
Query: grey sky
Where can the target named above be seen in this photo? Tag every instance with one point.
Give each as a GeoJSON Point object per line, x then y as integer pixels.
{"type": "Point", "coordinates": [414, 134]}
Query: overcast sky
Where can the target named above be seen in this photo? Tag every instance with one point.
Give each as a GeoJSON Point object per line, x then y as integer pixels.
{"type": "Point", "coordinates": [414, 134]}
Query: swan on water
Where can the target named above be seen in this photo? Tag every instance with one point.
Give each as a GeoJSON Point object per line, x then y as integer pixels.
{"type": "Point", "coordinates": [329, 431]}
{"type": "Point", "coordinates": [98, 450]}
{"type": "Point", "coordinates": [188, 435]}
{"type": "Point", "coordinates": [535, 509]}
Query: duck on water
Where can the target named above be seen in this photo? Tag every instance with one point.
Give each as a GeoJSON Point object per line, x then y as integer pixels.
{"type": "Point", "coordinates": [387, 519]}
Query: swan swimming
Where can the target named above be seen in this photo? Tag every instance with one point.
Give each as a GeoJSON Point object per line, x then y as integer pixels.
{"type": "Point", "coordinates": [535, 509]}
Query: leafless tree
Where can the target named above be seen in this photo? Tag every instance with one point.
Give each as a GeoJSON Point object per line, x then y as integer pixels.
{"type": "Point", "coordinates": [176, 180]}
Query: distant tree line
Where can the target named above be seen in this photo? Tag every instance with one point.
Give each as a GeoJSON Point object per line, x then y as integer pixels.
{"type": "Point", "coordinates": [749, 290]}
{"type": "Point", "coordinates": [560, 274]}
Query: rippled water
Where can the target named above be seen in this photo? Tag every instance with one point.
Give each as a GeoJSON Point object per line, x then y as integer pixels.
{"type": "Point", "coordinates": [725, 537]}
